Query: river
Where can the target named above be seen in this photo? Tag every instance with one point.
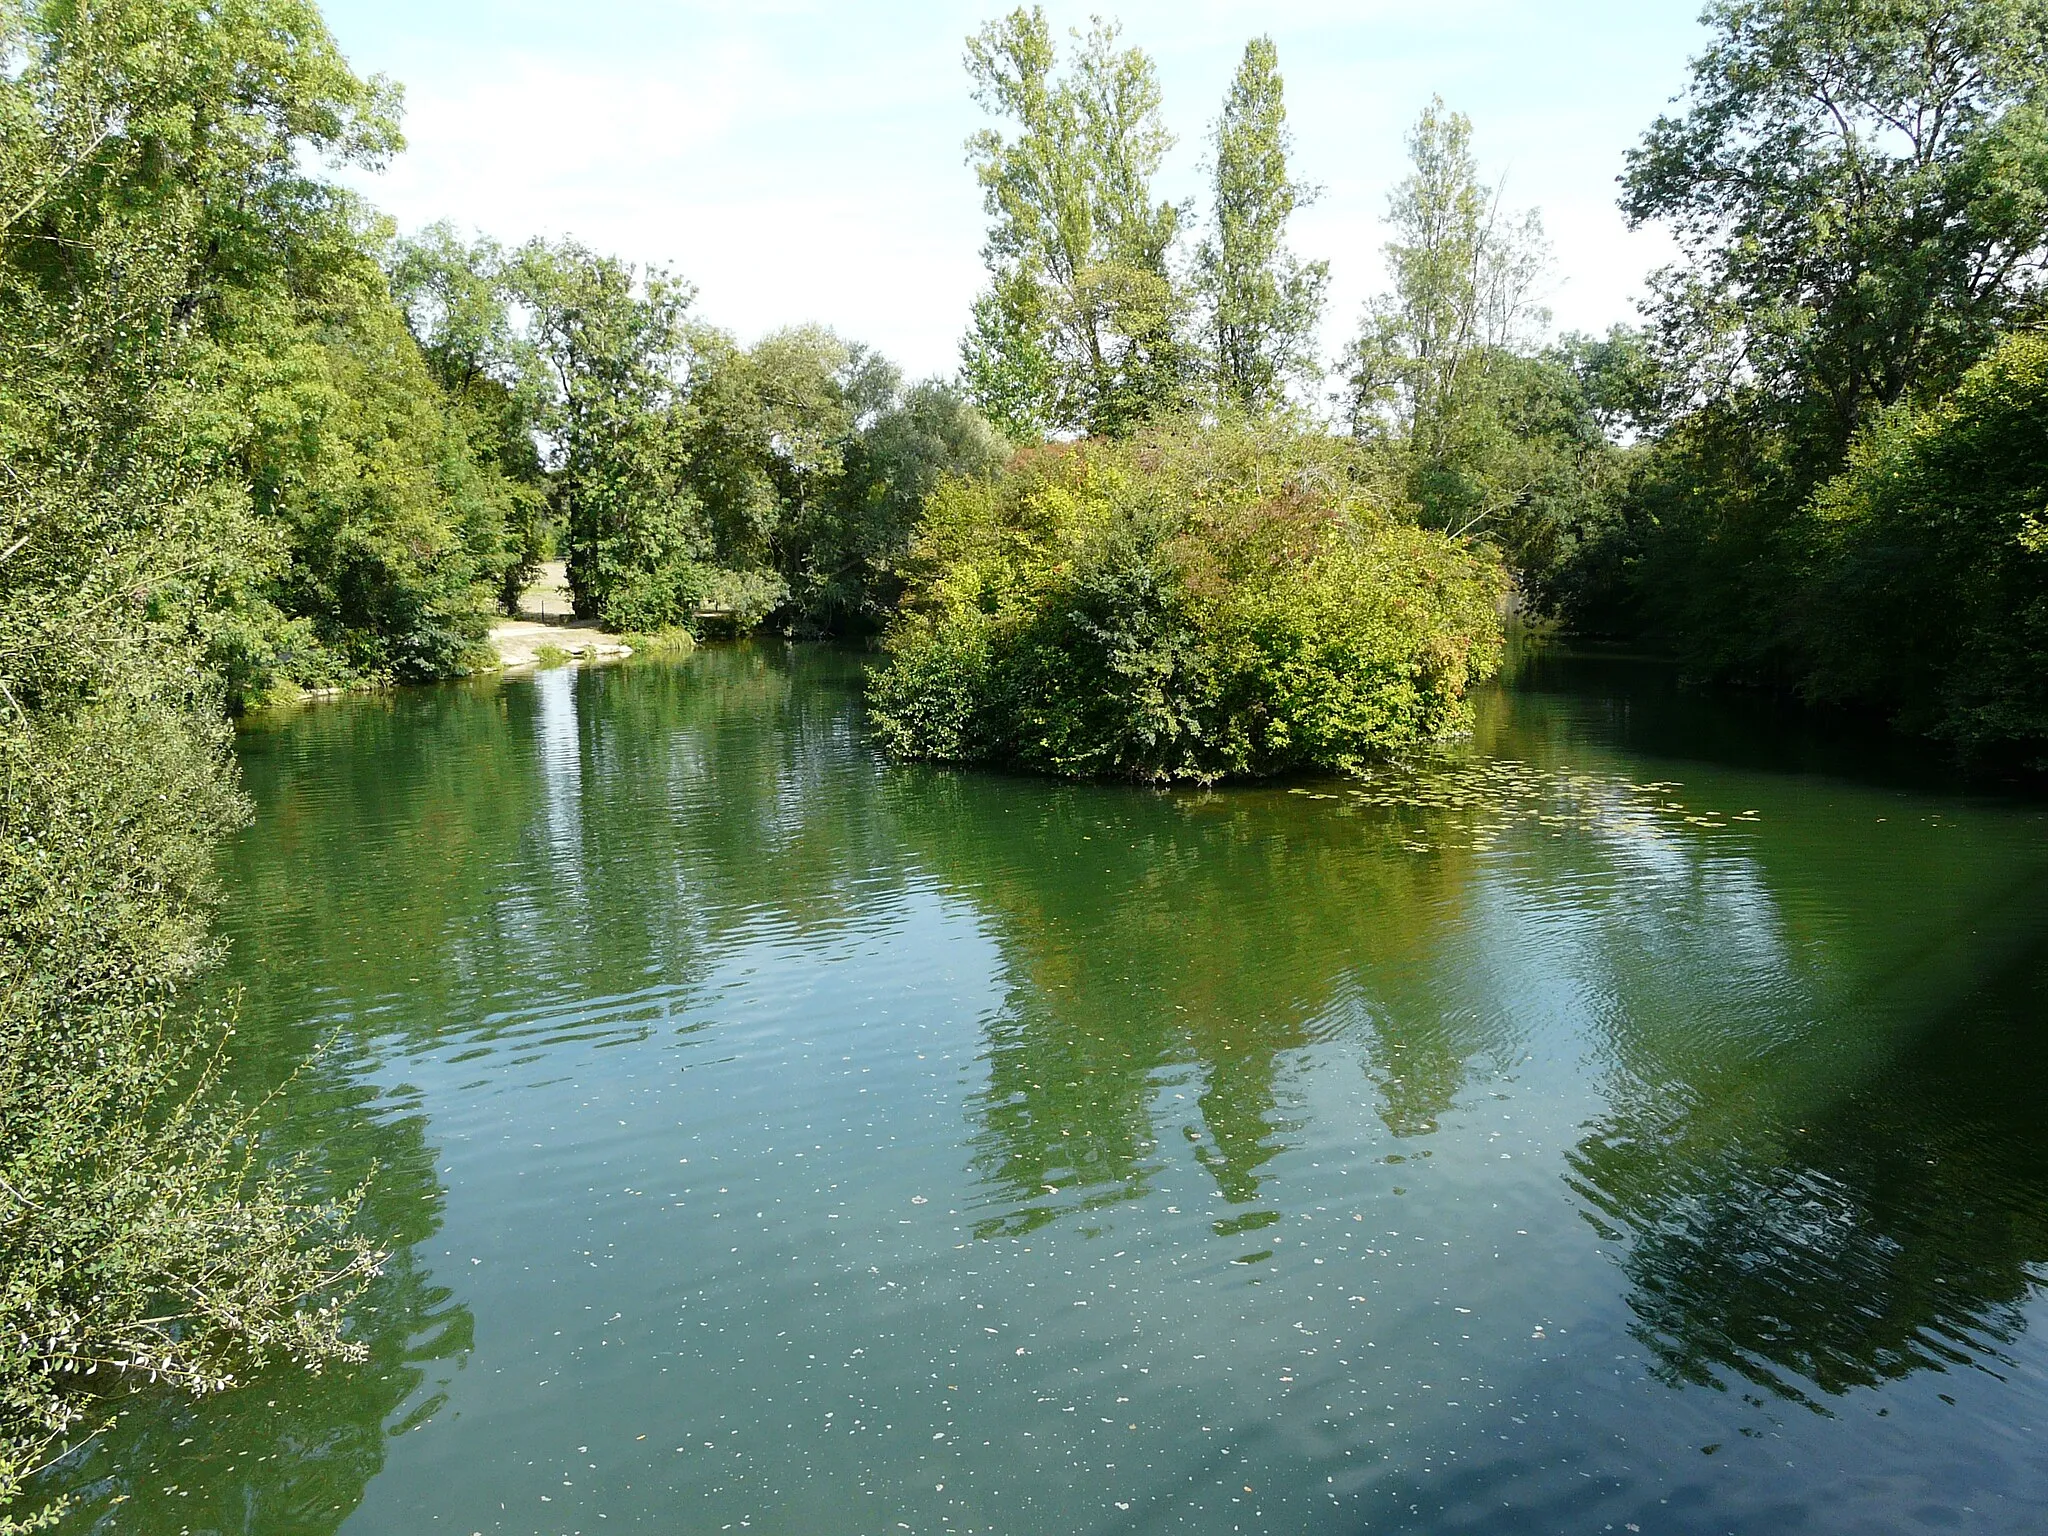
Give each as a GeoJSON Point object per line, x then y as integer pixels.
{"type": "Point", "coordinates": [1633, 1121]}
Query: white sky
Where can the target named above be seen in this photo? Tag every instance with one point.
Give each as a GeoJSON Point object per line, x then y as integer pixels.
{"type": "Point", "coordinates": [803, 161]}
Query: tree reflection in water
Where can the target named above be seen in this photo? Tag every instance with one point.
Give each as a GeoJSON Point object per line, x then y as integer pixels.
{"type": "Point", "coordinates": [1154, 940]}
{"type": "Point", "coordinates": [1898, 1227]}
{"type": "Point", "coordinates": [1820, 1149]}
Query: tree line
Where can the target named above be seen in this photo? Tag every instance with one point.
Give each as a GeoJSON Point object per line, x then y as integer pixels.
{"type": "Point", "coordinates": [1842, 415]}
{"type": "Point", "coordinates": [1816, 464]}
{"type": "Point", "coordinates": [675, 469]}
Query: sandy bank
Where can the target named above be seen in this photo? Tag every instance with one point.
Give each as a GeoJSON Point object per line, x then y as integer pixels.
{"type": "Point", "coordinates": [545, 620]}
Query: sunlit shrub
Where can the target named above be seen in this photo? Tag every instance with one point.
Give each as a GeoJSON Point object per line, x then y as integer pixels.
{"type": "Point", "coordinates": [1194, 605]}
{"type": "Point", "coordinates": [145, 1237]}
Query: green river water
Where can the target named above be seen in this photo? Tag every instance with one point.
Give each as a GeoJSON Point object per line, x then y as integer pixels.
{"type": "Point", "coordinates": [1636, 1121]}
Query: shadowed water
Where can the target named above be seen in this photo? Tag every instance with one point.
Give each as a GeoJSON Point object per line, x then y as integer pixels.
{"type": "Point", "coordinates": [1631, 1120]}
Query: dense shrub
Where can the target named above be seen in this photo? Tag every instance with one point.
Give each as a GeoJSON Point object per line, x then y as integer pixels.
{"type": "Point", "coordinates": [1929, 593]}
{"type": "Point", "coordinates": [149, 157]}
{"type": "Point", "coordinates": [391, 526]}
{"type": "Point", "coordinates": [1189, 606]}
{"type": "Point", "coordinates": [143, 1236]}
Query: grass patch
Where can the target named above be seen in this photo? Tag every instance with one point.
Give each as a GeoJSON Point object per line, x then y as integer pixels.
{"type": "Point", "coordinates": [550, 656]}
{"type": "Point", "coordinates": [673, 641]}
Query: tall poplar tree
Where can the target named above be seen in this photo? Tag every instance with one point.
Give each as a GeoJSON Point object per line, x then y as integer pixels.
{"type": "Point", "coordinates": [1465, 276]}
{"type": "Point", "coordinates": [1081, 327]}
{"type": "Point", "coordinates": [1431, 367]}
{"type": "Point", "coordinates": [1262, 305]}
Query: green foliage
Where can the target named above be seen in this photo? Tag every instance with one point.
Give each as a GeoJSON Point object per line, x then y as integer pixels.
{"type": "Point", "coordinates": [1190, 606]}
{"type": "Point", "coordinates": [176, 296]}
{"type": "Point", "coordinates": [1860, 196]}
{"type": "Point", "coordinates": [454, 294]}
{"type": "Point", "coordinates": [456, 300]}
{"type": "Point", "coordinates": [165, 150]}
{"type": "Point", "coordinates": [810, 460]}
{"type": "Point", "coordinates": [614, 347]}
{"type": "Point", "coordinates": [144, 1235]}
{"type": "Point", "coordinates": [1263, 305]}
{"type": "Point", "coordinates": [1537, 458]}
{"type": "Point", "coordinates": [1702, 557]}
{"type": "Point", "coordinates": [698, 478]}
{"type": "Point", "coordinates": [392, 526]}
{"type": "Point", "coordinates": [675, 641]}
{"type": "Point", "coordinates": [854, 546]}
{"type": "Point", "coordinates": [767, 435]}
{"type": "Point", "coordinates": [742, 598]}
{"type": "Point", "coordinates": [1007, 362]}
{"type": "Point", "coordinates": [1081, 327]}
{"type": "Point", "coordinates": [1485, 434]}
{"type": "Point", "coordinates": [1425, 370]}
{"type": "Point", "coordinates": [1860, 193]}
{"type": "Point", "coordinates": [1930, 557]}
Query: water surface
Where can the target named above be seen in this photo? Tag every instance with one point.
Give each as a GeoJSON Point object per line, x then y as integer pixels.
{"type": "Point", "coordinates": [1633, 1122]}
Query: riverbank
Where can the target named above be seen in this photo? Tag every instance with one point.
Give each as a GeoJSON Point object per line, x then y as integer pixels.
{"type": "Point", "coordinates": [545, 631]}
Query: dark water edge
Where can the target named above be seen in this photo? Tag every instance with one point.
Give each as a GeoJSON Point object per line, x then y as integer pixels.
{"type": "Point", "coordinates": [1629, 1118]}
{"type": "Point", "coordinates": [1657, 709]}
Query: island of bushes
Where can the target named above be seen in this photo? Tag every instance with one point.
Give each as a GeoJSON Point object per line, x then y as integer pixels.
{"type": "Point", "coordinates": [1187, 605]}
